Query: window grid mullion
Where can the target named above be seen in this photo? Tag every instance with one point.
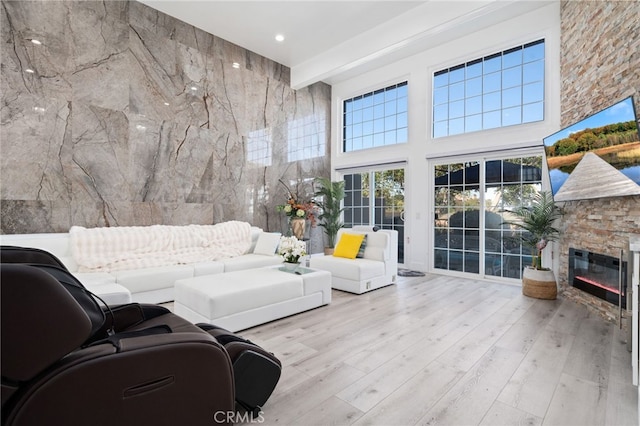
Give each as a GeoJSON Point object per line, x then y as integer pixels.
{"type": "Point", "coordinates": [489, 116]}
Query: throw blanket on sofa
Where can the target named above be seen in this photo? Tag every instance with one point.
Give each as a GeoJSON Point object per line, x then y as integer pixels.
{"type": "Point", "coordinates": [135, 247]}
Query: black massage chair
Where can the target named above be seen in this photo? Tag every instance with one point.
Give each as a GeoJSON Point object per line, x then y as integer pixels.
{"type": "Point", "coordinates": [67, 361]}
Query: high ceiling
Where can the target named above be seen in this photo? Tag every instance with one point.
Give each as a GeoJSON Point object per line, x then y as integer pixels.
{"type": "Point", "coordinates": [333, 39]}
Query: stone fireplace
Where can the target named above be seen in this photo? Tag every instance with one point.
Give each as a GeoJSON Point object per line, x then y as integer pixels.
{"type": "Point", "coordinates": [601, 226]}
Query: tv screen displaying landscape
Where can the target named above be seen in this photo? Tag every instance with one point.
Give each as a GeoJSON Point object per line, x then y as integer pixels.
{"type": "Point", "coordinates": [596, 157]}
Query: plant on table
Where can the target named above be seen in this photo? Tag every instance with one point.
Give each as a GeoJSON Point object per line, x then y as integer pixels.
{"type": "Point", "coordinates": [291, 249]}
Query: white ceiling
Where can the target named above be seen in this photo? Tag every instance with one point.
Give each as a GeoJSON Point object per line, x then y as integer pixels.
{"type": "Point", "coordinates": [334, 39]}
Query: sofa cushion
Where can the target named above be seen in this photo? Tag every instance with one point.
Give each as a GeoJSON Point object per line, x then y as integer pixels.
{"type": "Point", "coordinates": [255, 233]}
{"type": "Point", "coordinates": [267, 243]}
{"type": "Point", "coordinates": [112, 294]}
{"type": "Point", "coordinates": [348, 245]}
{"type": "Point", "coordinates": [250, 261]}
{"type": "Point", "coordinates": [148, 279]}
{"type": "Point", "coordinates": [56, 244]}
{"type": "Point", "coordinates": [378, 243]}
{"type": "Point", "coordinates": [349, 269]}
{"type": "Point", "coordinates": [377, 246]}
{"type": "Point", "coordinates": [95, 278]}
{"type": "Point", "coordinates": [363, 246]}
{"type": "Point", "coordinates": [208, 268]}
{"type": "Point", "coordinates": [123, 248]}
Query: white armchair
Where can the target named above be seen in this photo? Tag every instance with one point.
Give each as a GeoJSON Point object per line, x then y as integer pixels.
{"type": "Point", "coordinates": [378, 267]}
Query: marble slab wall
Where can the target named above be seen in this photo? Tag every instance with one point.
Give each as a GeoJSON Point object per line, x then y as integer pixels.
{"type": "Point", "coordinates": [126, 116]}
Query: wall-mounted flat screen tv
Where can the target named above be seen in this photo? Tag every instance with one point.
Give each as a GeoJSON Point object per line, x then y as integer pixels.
{"type": "Point", "coordinates": [596, 157]}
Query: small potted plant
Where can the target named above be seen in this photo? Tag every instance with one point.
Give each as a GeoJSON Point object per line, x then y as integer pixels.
{"type": "Point", "coordinates": [538, 221]}
{"type": "Point", "coordinates": [328, 198]}
{"type": "Point", "coordinates": [291, 249]}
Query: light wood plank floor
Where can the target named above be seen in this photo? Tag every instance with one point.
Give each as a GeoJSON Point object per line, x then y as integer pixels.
{"type": "Point", "coordinates": [448, 351]}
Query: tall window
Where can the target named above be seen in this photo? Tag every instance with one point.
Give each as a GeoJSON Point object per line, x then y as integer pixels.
{"type": "Point", "coordinates": [510, 184]}
{"type": "Point", "coordinates": [375, 119]}
{"type": "Point", "coordinates": [357, 204]}
{"type": "Point", "coordinates": [499, 90]}
{"type": "Point", "coordinates": [376, 198]}
{"type": "Point", "coordinates": [473, 201]}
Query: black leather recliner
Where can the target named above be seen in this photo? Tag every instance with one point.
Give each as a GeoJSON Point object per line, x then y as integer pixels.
{"type": "Point", "coordinates": [67, 361]}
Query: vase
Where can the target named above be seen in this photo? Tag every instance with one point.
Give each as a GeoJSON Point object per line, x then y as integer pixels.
{"type": "Point", "coordinates": [539, 283]}
{"type": "Point", "coordinates": [297, 227]}
{"type": "Point", "coordinates": [290, 266]}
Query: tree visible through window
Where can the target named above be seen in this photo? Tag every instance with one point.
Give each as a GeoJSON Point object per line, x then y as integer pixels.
{"type": "Point", "coordinates": [376, 198]}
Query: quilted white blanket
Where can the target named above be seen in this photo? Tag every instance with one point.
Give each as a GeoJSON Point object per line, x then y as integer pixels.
{"type": "Point", "coordinates": [135, 247]}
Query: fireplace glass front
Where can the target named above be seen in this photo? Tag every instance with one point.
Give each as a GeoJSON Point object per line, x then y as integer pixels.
{"type": "Point", "coordinates": [599, 275]}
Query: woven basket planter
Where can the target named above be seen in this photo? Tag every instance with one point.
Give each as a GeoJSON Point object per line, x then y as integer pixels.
{"type": "Point", "coordinates": [540, 284]}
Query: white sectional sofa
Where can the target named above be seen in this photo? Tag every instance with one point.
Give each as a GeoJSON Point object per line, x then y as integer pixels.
{"type": "Point", "coordinates": [377, 268]}
{"type": "Point", "coordinates": [148, 284]}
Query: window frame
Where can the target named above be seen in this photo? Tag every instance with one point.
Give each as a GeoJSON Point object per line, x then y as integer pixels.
{"type": "Point", "coordinates": [375, 134]}
{"type": "Point", "coordinates": [490, 75]}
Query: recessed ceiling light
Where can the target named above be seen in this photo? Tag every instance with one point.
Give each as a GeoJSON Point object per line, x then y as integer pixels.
{"type": "Point", "coordinates": [194, 88]}
{"type": "Point", "coordinates": [166, 103]}
{"type": "Point", "coordinates": [235, 65]}
{"type": "Point", "coordinates": [34, 41]}
{"type": "Point", "coordinates": [29, 70]}
{"type": "Point", "coordinates": [279, 37]}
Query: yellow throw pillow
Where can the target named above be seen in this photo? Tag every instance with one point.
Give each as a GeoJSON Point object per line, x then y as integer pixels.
{"type": "Point", "coordinates": [348, 245]}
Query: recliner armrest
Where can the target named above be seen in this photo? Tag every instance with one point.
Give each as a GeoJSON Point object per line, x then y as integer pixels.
{"type": "Point", "coordinates": [156, 340]}
{"type": "Point", "coordinates": [123, 316]}
{"type": "Point", "coordinates": [126, 316]}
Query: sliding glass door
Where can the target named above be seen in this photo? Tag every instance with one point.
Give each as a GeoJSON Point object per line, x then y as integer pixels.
{"type": "Point", "coordinates": [472, 202]}
{"type": "Point", "coordinates": [376, 198]}
{"type": "Point", "coordinates": [457, 217]}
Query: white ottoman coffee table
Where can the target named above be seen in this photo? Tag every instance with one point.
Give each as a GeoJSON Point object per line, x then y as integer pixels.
{"type": "Point", "coordinates": [243, 299]}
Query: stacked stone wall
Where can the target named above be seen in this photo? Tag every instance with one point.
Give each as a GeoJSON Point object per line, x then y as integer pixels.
{"type": "Point", "coordinates": [600, 65]}
{"type": "Point", "coordinates": [600, 56]}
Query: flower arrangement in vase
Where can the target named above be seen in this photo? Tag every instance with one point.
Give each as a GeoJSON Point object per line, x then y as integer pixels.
{"type": "Point", "coordinates": [291, 249]}
{"type": "Point", "coordinates": [298, 212]}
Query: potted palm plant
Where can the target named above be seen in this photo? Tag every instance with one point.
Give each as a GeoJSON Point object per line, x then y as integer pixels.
{"type": "Point", "coordinates": [328, 197]}
{"type": "Point", "coordinates": [537, 222]}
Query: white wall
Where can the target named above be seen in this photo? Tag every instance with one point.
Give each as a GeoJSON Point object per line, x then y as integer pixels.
{"type": "Point", "coordinates": [422, 150]}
